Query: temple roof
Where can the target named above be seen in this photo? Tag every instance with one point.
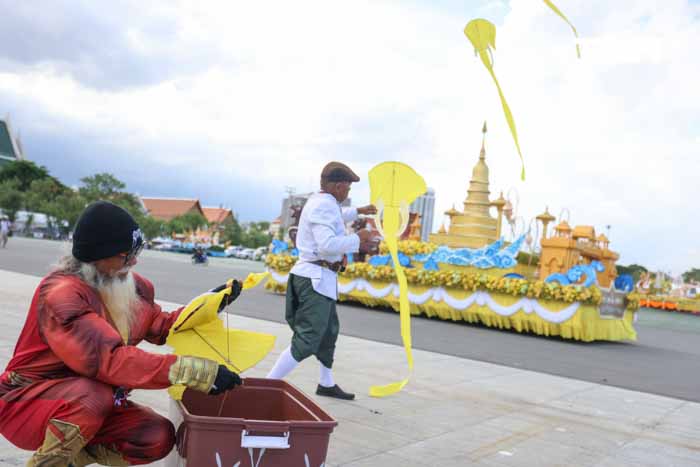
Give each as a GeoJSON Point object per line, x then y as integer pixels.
{"type": "Point", "coordinates": [10, 146]}
{"type": "Point", "coordinates": [217, 215]}
{"type": "Point", "coordinates": [563, 227]}
{"type": "Point", "coordinates": [168, 208]}
{"type": "Point", "coordinates": [584, 231]}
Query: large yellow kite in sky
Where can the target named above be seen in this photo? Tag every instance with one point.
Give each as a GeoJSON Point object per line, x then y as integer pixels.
{"type": "Point", "coordinates": [482, 34]}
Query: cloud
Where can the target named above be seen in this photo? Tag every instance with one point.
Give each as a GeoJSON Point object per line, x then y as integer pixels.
{"type": "Point", "coordinates": [232, 101]}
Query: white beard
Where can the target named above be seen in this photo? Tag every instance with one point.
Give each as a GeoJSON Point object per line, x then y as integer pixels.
{"type": "Point", "coordinates": [119, 296]}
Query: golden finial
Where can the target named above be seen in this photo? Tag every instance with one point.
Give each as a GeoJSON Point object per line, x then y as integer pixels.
{"type": "Point", "coordinates": [482, 154]}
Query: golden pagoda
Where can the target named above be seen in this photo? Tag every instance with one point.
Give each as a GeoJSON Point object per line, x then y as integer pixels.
{"type": "Point", "coordinates": [474, 227]}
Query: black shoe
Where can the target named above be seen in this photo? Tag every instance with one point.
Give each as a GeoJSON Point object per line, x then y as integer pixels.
{"type": "Point", "coordinates": [335, 391]}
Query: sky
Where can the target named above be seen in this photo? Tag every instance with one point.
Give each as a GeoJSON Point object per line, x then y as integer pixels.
{"type": "Point", "coordinates": [231, 102]}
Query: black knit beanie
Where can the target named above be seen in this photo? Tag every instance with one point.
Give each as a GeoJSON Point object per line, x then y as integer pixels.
{"type": "Point", "coordinates": [104, 230]}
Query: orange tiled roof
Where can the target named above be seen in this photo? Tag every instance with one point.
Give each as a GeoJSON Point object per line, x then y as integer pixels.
{"type": "Point", "coordinates": [168, 208]}
{"type": "Point", "coordinates": [216, 215]}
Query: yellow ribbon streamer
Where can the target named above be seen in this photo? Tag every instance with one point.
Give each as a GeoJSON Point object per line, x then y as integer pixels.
{"type": "Point", "coordinates": [199, 332]}
{"type": "Point", "coordinates": [393, 187]}
{"type": "Point", "coordinates": [558, 11]}
{"type": "Point", "coordinates": [482, 34]}
{"type": "Point", "coordinates": [254, 279]}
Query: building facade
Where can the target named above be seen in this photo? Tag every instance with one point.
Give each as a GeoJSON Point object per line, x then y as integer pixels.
{"type": "Point", "coordinates": [10, 145]}
{"type": "Point", "coordinates": [424, 206]}
{"type": "Point", "coordinates": [291, 201]}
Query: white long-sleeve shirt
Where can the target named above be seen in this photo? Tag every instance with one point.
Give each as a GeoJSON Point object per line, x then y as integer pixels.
{"type": "Point", "coordinates": [321, 235]}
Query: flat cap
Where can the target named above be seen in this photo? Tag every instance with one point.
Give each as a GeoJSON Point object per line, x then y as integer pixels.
{"type": "Point", "coordinates": [338, 172]}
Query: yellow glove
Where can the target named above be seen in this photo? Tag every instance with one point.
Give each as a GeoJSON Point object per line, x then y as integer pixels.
{"type": "Point", "coordinates": [194, 372]}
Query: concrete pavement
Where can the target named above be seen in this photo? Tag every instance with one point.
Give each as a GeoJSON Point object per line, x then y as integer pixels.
{"type": "Point", "coordinates": [454, 412]}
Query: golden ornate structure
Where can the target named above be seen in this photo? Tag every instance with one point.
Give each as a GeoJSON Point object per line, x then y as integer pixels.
{"type": "Point", "coordinates": [569, 247]}
{"type": "Point", "coordinates": [414, 229]}
{"type": "Point", "coordinates": [474, 227]}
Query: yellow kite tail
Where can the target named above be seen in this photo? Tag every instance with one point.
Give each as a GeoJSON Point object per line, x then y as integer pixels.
{"type": "Point", "coordinates": [254, 279]}
{"type": "Point", "coordinates": [394, 186]}
{"type": "Point", "coordinates": [511, 122]}
{"type": "Point", "coordinates": [558, 11]}
{"type": "Point", "coordinates": [482, 34]}
{"type": "Point", "coordinates": [391, 223]}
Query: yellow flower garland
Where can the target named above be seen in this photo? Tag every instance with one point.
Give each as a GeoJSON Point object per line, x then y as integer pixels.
{"type": "Point", "coordinates": [467, 281]}
{"type": "Point", "coordinates": [410, 248]}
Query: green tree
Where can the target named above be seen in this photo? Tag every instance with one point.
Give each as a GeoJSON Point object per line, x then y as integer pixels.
{"type": "Point", "coordinates": [107, 187]}
{"type": "Point", "coordinates": [25, 172]}
{"type": "Point", "coordinates": [187, 222]}
{"type": "Point", "coordinates": [66, 208]}
{"type": "Point", "coordinates": [232, 233]}
{"type": "Point", "coordinates": [257, 235]}
{"type": "Point", "coordinates": [42, 192]}
{"type": "Point", "coordinates": [692, 275]}
{"type": "Point", "coordinates": [150, 226]}
{"type": "Point", "coordinates": [102, 186]}
{"type": "Point", "coordinates": [11, 198]}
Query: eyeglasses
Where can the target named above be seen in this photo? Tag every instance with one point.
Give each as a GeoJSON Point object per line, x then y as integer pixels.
{"type": "Point", "coordinates": [137, 245]}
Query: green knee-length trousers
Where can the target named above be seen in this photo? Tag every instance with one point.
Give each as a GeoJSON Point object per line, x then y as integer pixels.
{"type": "Point", "coordinates": [313, 319]}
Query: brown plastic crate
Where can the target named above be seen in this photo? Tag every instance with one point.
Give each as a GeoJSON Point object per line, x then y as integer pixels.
{"type": "Point", "coordinates": [263, 423]}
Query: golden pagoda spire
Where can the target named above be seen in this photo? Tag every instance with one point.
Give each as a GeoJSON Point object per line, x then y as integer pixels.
{"type": "Point", "coordinates": [477, 202]}
{"type": "Point", "coordinates": [475, 227]}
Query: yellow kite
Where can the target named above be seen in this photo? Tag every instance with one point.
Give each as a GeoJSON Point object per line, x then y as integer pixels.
{"type": "Point", "coordinates": [557, 11]}
{"type": "Point", "coordinates": [482, 34]}
{"type": "Point", "coordinates": [393, 187]}
{"type": "Point", "coordinates": [199, 332]}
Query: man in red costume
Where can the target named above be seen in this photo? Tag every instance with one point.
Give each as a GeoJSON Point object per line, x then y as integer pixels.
{"type": "Point", "coordinates": [64, 393]}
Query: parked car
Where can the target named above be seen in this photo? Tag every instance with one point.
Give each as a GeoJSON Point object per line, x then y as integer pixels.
{"type": "Point", "coordinates": [247, 253]}
{"type": "Point", "coordinates": [233, 251]}
{"type": "Point", "coordinates": [259, 253]}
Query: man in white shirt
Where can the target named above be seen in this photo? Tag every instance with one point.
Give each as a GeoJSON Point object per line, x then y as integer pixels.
{"type": "Point", "coordinates": [312, 287]}
{"type": "Point", "coordinates": [4, 230]}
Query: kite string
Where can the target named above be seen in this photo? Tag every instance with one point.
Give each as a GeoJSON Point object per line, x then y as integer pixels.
{"type": "Point", "coordinates": [228, 359]}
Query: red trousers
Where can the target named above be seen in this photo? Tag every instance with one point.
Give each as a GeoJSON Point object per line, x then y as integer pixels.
{"type": "Point", "coordinates": [138, 433]}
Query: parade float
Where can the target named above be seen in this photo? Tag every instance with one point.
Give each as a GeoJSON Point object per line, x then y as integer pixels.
{"type": "Point", "coordinates": [664, 295]}
{"type": "Point", "coordinates": [469, 273]}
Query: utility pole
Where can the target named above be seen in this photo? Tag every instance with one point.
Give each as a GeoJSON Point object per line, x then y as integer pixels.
{"type": "Point", "coordinates": [285, 218]}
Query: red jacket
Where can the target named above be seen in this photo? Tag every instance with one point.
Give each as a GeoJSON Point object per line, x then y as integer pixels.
{"type": "Point", "coordinates": [69, 332]}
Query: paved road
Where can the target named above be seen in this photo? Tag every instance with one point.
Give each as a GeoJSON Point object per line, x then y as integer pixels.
{"type": "Point", "coordinates": [665, 360]}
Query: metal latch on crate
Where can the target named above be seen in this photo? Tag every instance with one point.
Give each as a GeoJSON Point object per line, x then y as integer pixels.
{"type": "Point", "coordinates": [269, 442]}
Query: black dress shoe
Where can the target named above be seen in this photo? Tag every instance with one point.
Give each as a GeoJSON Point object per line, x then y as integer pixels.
{"type": "Point", "coordinates": [335, 391]}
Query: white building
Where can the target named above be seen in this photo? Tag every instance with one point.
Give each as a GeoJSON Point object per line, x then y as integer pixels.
{"type": "Point", "coordinates": [424, 206]}
{"type": "Point", "coordinates": [297, 200]}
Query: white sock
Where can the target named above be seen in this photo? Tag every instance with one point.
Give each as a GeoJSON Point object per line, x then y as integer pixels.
{"type": "Point", "coordinates": [326, 377]}
{"type": "Point", "coordinates": [285, 364]}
